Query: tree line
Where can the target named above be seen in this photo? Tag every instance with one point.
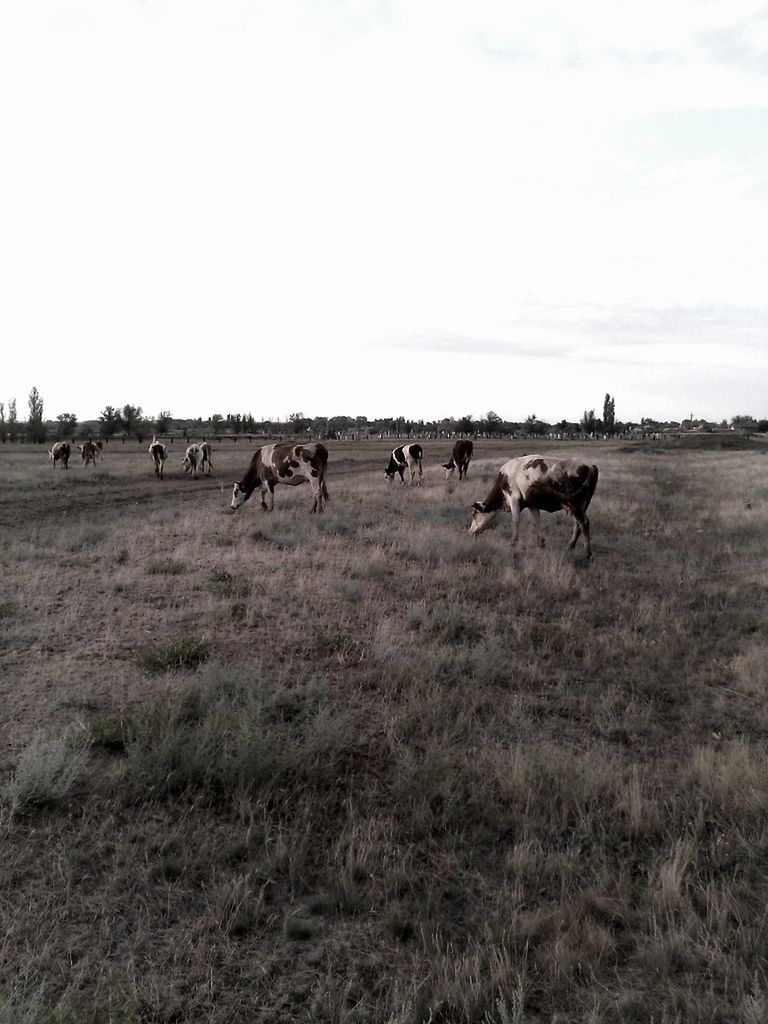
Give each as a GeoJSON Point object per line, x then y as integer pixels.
{"type": "Point", "coordinates": [130, 421]}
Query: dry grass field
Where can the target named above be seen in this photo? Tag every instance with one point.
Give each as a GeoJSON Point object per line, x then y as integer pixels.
{"type": "Point", "coordinates": [358, 767]}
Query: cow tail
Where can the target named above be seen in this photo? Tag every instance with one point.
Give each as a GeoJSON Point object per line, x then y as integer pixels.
{"type": "Point", "coordinates": [324, 490]}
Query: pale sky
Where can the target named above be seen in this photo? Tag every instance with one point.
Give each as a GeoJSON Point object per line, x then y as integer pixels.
{"type": "Point", "coordinates": [418, 207]}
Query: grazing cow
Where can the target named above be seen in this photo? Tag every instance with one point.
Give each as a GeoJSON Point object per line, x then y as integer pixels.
{"type": "Point", "coordinates": [193, 459]}
{"type": "Point", "coordinates": [88, 451]}
{"type": "Point", "coordinates": [60, 453]}
{"type": "Point", "coordinates": [205, 453]}
{"type": "Point", "coordinates": [538, 484]}
{"type": "Point", "coordinates": [159, 454]}
{"type": "Point", "coordinates": [407, 456]}
{"type": "Point", "coordinates": [284, 464]}
{"type": "Point", "coordinates": [460, 458]}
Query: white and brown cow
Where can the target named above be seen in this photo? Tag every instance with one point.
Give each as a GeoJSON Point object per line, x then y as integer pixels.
{"type": "Point", "coordinates": [158, 453]}
{"type": "Point", "coordinates": [460, 459]}
{"type": "Point", "coordinates": [407, 456]}
{"type": "Point", "coordinates": [540, 484]}
{"type": "Point", "coordinates": [89, 452]}
{"type": "Point", "coordinates": [196, 458]}
{"type": "Point", "coordinates": [60, 453]}
{"type": "Point", "coordinates": [284, 464]}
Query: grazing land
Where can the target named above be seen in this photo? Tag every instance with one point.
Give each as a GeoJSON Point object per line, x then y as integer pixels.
{"type": "Point", "coordinates": [358, 767]}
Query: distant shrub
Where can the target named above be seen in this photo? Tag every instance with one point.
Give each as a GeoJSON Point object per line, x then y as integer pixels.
{"type": "Point", "coordinates": [166, 567]}
{"type": "Point", "coordinates": [47, 771]}
{"type": "Point", "coordinates": [182, 653]}
{"type": "Point", "coordinates": [228, 585]}
{"type": "Point", "coordinates": [111, 732]}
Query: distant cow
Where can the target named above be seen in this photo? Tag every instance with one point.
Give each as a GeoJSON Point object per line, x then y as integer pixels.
{"type": "Point", "coordinates": [205, 451]}
{"type": "Point", "coordinates": [407, 456]}
{"type": "Point", "coordinates": [88, 451]}
{"type": "Point", "coordinates": [193, 460]}
{"type": "Point", "coordinates": [196, 458]}
{"type": "Point", "coordinates": [538, 484]}
{"type": "Point", "coordinates": [460, 458]}
{"type": "Point", "coordinates": [158, 453]}
{"type": "Point", "coordinates": [60, 453]}
{"type": "Point", "coordinates": [284, 464]}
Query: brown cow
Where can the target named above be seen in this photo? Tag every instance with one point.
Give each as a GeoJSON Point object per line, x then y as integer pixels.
{"type": "Point", "coordinates": [284, 464]}
{"type": "Point", "coordinates": [89, 451]}
{"type": "Point", "coordinates": [460, 458]}
{"type": "Point", "coordinates": [540, 484]}
{"type": "Point", "coordinates": [60, 453]}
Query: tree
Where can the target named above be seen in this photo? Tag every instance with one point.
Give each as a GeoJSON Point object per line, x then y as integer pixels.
{"type": "Point", "coordinates": [109, 421]}
{"type": "Point", "coordinates": [129, 418]}
{"type": "Point", "coordinates": [299, 421]}
{"type": "Point", "coordinates": [12, 419]}
{"type": "Point", "coordinates": [67, 424]}
{"type": "Point", "coordinates": [2, 422]}
{"type": "Point", "coordinates": [609, 414]}
{"type": "Point", "coordinates": [466, 424]}
{"type": "Point", "coordinates": [163, 422]}
{"type": "Point", "coordinates": [493, 422]}
{"type": "Point", "coordinates": [588, 422]}
{"type": "Point", "coordinates": [35, 425]}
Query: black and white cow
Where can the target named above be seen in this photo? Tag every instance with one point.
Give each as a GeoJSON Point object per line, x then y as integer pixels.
{"type": "Point", "coordinates": [460, 459]}
{"type": "Point", "coordinates": [60, 453]}
{"type": "Point", "coordinates": [407, 456]}
{"type": "Point", "coordinates": [284, 464]}
{"type": "Point", "coordinates": [540, 484]}
{"type": "Point", "coordinates": [158, 453]}
{"type": "Point", "coordinates": [89, 452]}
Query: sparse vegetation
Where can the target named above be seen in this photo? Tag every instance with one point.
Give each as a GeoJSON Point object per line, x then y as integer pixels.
{"type": "Point", "coordinates": [372, 770]}
{"type": "Point", "coordinates": [182, 653]}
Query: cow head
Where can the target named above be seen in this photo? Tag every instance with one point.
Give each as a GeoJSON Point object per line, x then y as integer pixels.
{"type": "Point", "coordinates": [481, 519]}
{"type": "Point", "coordinates": [239, 496]}
{"type": "Point", "coordinates": [51, 456]}
{"type": "Point", "coordinates": [449, 468]}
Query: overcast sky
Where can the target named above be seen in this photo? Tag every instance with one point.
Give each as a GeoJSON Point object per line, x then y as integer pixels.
{"type": "Point", "coordinates": [420, 207]}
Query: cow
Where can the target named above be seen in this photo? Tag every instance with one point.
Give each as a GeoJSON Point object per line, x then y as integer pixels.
{"type": "Point", "coordinates": [60, 453]}
{"type": "Point", "coordinates": [88, 451]}
{"type": "Point", "coordinates": [407, 456]}
{"type": "Point", "coordinates": [193, 458]}
{"type": "Point", "coordinates": [158, 453]}
{"type": "Point", "coordinates": [284, 464]}
{"type": "Point", "coordinates": [100, 445]}
{"type": "Point", "coordinates": [460, 458]}
{"type": "Point", "coordinates": [540, 484]}
{"type": "Point", "coordinates": [205, 450]}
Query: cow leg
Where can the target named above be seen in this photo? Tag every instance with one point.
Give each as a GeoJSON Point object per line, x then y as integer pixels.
{"type": "Point", "coordinates": [536, 516]}
{"type": "Point", "coordinates": [514, 508]}
{"type": "Point", "coordinates": [583, 522]}
{"type": "Point", "coordinates": [421, 474]}
{"type": "Point", "coordinates": [401, 471]}
{"type": "Point", "coordinates": [271, 496]}
{"type": "Point", "coordinates": [574, 534]}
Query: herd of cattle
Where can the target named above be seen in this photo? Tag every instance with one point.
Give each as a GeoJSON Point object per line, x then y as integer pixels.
{"type": "Point", "coordinates": [530, 481]}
